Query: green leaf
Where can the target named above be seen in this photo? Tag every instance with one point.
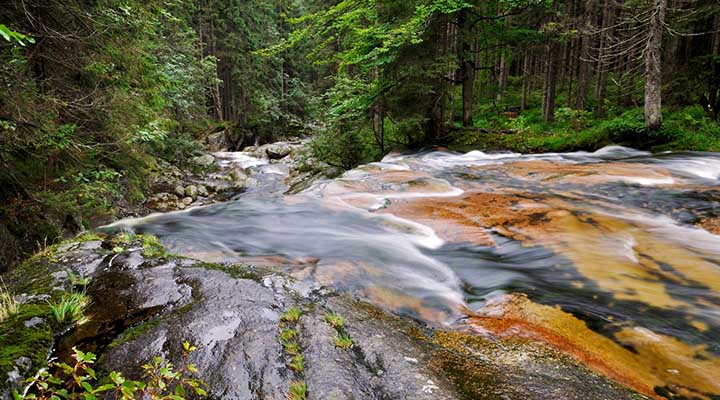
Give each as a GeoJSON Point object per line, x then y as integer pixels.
{"type": "Point", "coordinates": [104, 388]}
{"type": "Point", "coordinates": [5, 32]}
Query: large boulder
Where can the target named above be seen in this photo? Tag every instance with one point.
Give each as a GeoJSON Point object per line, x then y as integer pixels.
{"type": "Point", "coordinates": [277, 151]}
{"type": "Point", "coordinates": [218, 141]}
{"type": "Point", "coordinates": [146, 302]}
{"type": "Point", "coordinates": [205, 160]}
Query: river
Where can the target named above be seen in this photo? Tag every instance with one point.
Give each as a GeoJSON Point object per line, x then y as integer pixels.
{"type": "Point", "coordinates": [598, 254]}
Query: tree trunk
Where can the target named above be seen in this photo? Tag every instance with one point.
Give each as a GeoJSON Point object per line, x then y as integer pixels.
{"type": "Point", "coordinates": [548, 106]}
{"type": "Point", "coordinates": [601, 82]}
{"type": "Point", "coordinates": [653, 67]}
{"type": "Point", "coordinates": [584, 55]}
{"type": "Point", "coordinates": [467, 70]}
{"type": "Point", "coordinates": [525, 86]}
{"type": "Point", "coordinates": [217, 101]}
{"type": "Point", "coordinates": [502, 77]}
{"type": "Point", "coordinates": [714, 82]}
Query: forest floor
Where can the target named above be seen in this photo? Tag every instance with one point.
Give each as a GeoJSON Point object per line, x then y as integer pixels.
{"type": "Point", "coordinates": [684, 129]}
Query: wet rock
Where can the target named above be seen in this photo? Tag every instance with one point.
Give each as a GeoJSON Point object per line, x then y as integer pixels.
{"type": "Point", "coordinates": [204, 160]}
{"type": "Point", "coordinates": [251, 182]}
{"type": "Point", "coordinates": [180, 190]}
{"type": "Point", "coordinates": [142, 307]}
{"type": "Point", "coordinates": [238, 174]}
{"type": "Point", "coordinates": [187, 201]}
{"type": "Point", "coordinates": [202, 191]}
{"type": "Point", "coordinates": [333, 172]}
{"type": "Point", "coordinates": [191, 191]}
{"type": "Point", "coordinates": [33, 321]}
{"type": "Point", "coordinates": [278, 151]}
{"type": "Point", "coordinates": [235, 323]}
{"type": "Point", "coordinates": [218, 142]}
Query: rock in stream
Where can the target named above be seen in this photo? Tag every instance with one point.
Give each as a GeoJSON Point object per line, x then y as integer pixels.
{"type": "Point", "coordinates": [146, 302]}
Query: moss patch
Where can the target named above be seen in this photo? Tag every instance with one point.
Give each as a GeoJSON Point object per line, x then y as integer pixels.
{"type": "Point", "coordinates": [237, 271]}
{"type": "Point", "coordinates": [16, 340]}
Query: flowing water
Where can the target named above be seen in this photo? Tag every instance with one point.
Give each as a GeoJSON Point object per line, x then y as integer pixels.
{"type": "Point", "coordinates": [594, 253]}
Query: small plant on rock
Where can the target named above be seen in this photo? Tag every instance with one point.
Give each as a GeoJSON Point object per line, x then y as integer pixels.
{"type": "Point", "coordinates": [298, 390]}
{"type": "Point", "coordinates": [297, 363]}
{"type": "Point", "coordinates": [291, 348]}
{"type": "Point", "coordinates": [152, 247]}
{"type": "Point", "coordinates": [291, 315]}
{"type": "Point", "coordinates": [78, 281]}
{"type": "Point", "coordinates": [8, 305]}
{"type": "Point", "coordinates": [343, 341]}
{"type": "Point", "coordinates": [71, 307]}
{"type": "Point", "coordinates": [335, 320]}
{"type": "Point", "coordinates": [163, 381]}
{"type": "Point", "coordinates": [288, 335]}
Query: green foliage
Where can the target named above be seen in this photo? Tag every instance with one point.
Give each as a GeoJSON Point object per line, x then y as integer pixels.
{"type": "Point", "coordinates": [577, 119]}
{"type": "Point", "coordinates": [15, 37]}
{"type": "Point", "coordinates": [288, 335]}
{"type": "Point", "coordinates": [8, 305]}
{"type": "Point", "coordinates": [70, 308]}
{"type": "Point", "coordinates": [684, 129]}
{"type": "Point", "coordinates": [152, 247]}
{"type": "Point", "coordinates": [297, 363]}
{"type": "Point", "coordinates": [292, 315]}
{"type": "Point", "coordinates": [162, 381]}
{"type": "Point", "coordinates": [337, 321]}
{"type": "Point", "coordinates": [291, 348]}
{"type": "Point", "coordinates": [343, 341]}
{"type": "Point", "coordinates": [298, 390]}
{"type": "Point", "coordinates": [122, 83]}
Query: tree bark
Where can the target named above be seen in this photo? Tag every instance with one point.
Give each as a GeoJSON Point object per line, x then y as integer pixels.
{"type": "Point", "coordinates": [525, 85]}
{"type": "Point", "coordinates": [548, 106]}
{"type": "Point", "coordinates": [467, 70]}
{"type": "Point", "coordinates": [584, 55]}
{"type": "Point", "coordinates": [601, 82]}
{"type": "Point", "coordinates": [653, 67]}
{"type": "Point", "coordinates": [502, 77]}
{"type": "Point", "coordinates": [714, 82]}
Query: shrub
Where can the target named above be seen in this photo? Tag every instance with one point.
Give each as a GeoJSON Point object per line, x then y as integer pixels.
{"type": "Point", "coordinates": [577, 119]}
{"type": "Point", "coordinates": [628, 126]}
{"type": "Point", "coordinates": [76, 382]}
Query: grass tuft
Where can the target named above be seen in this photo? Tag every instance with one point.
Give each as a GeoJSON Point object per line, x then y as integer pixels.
{"type": "Point", "coordinates": [297, 363]}
{"type": "Point", "coordinates": [288, 335]}
{"type": "Point", "coordinates": [8, 305]}
{"type": "Point", "coordinates": [298, 390]}
{"type": "Point", "coordinates": [291, 348]}
{"type": "Point", "coordinates": [335, 320]}
{"type": "Point", "coordinates": [70, 308]}
{"type": "Point", "coordinates": [291, 315]}
{"type": "Point", "coordinates": [152, 247]}
{"type": "Point", "coordinates": [343, 341]}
